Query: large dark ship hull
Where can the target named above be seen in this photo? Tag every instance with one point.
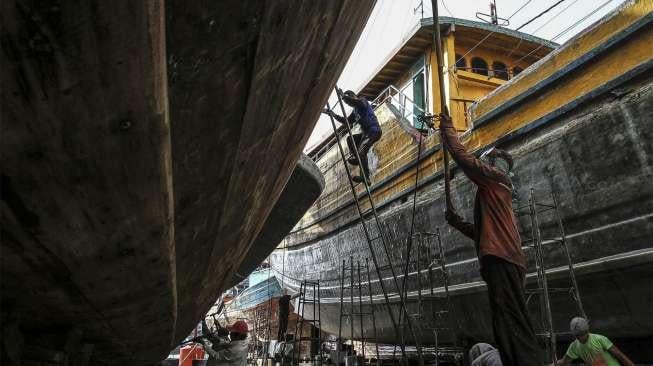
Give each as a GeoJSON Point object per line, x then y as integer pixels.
{"type": "Point", "coordinates": [144, 145]}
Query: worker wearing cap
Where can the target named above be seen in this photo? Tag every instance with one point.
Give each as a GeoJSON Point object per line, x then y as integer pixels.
{"type": "Point", "coordinates": [483, 354]}
{"type": "Point", "coordinates": [498, 246]}
{"type": "Point", "coordinates": [232, 353]}
{"type": "Point", "coordinates": [593, 349]}
{"type": "Point", "coordinates": [363, 114]}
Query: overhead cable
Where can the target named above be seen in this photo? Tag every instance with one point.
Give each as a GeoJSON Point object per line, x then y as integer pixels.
{"type": "Point", "coordinates": [539, 15]}
{"type": "Point", "coordinates": [489, 34]}
{"type": "Point", "coordinates": [566, 30]}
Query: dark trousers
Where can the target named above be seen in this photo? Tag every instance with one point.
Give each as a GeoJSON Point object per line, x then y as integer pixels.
{"type": "Point", "coordinates": [513, 331]}
{"type": "Point", "coordinates": [364, 143]}
{"type": "Point", "coordinates": [283, 326]}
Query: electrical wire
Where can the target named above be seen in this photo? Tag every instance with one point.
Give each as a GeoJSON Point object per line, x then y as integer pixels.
{"type": "Point", "coordinates": [488, 35]}
{"type": "Point", "coordinates": [541, 26]}
{"type": "Point", "coordinates": [554, 17]}
{"type": "Point", "coordinates": [566, 30]}
{"type": "Point", "coordinates": [539, 15]}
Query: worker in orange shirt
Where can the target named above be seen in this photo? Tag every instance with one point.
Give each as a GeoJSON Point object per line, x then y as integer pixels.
{"type": "Point", "coordinates": [498, 246]}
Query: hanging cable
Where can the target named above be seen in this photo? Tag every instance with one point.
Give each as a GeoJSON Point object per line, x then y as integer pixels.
{"type": "Point", "coordinates": [539, 15]}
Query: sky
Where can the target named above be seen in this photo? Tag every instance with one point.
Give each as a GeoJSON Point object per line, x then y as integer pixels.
{"type": "Point", "coordinates": [391, 22]}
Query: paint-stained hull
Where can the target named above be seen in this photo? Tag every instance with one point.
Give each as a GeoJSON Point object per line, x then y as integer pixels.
{"type": "Point", "coordinates": [144, 145]}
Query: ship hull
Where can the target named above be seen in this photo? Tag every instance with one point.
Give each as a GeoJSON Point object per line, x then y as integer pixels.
{"type": "Point", "coordinates": [597, 158]}
{"type": "Point", "coordinates": [144, 146]}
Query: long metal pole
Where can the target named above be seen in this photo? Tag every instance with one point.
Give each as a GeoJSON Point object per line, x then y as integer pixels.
{"type": "Point", "coordinates": [360, 308]}
{"type": "Point", "coordinates": [572, 272]}
{"type": "Point", "coordinates": [437, 44]}
{"type": "Point", "coordinates": [369, 289]}
{"type": "Point", "coordinates": [342, 295]}
{"type": "Point", "coordinates": [547, 303]}
{"type": "Point", "coordinates": [351, 300]}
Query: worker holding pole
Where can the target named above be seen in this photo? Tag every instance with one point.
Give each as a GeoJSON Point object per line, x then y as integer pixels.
{"type": "Point", "coordinates": [498, 245]}
{"type": "Point", "coordinates": [494, 231]}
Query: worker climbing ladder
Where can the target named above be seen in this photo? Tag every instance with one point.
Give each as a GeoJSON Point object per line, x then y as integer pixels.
{"type": "Point", "coordinates": [314, 339]}
{"type": "Point", "coordinates": [364, 317]}
{"type": "Point", "coordinates": [379, 239]}
{"type": "Point", "coordinates": [534, 209]}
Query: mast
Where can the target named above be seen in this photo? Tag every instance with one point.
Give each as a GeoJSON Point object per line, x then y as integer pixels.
{"type": "Point", "coordinates": [437, 44]}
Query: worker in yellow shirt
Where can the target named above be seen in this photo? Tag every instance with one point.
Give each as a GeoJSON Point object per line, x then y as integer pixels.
{"type": "Point", "coordinates": [593, 349]}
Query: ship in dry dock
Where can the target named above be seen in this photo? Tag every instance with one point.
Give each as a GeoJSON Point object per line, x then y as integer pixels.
{"type": "Point", "coordinates": [577, 120]}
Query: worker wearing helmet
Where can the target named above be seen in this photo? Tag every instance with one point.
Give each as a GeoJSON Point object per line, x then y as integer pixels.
{"type": "Point", "coordinates": [232, 352]}
{"type": "Point", "coordinates": [498, 246]}
{"type": "Point", "coordinates": [363, 114]}
{"type": "Point", "coordinates": [593, 349]}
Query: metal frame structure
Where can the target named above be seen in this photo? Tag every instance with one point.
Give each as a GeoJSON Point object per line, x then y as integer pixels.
{"type": "Point", "coordinates": [360, 313]}
{"type": "Point", "coordinates": [315, 321]}
{"type": "Point", "coordinates": [534, 209]}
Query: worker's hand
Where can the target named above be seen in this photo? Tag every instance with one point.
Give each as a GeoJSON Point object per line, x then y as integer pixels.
{"type": "Point", "coordinates": [445, 118]}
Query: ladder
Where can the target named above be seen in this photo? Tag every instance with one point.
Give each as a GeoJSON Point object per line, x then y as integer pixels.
{"type": "Point", "coordinates": [315, 336]}
{"type": "Point", "coordinates": [535, 242]}
{"type": "Point", "coordinates": [368, 234]}
{"type": "Point", "coordinates": [352, 314]}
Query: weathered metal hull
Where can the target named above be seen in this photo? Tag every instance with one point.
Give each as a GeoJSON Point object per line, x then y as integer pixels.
{"type": "Point", "coordinates": [144, 147]}
{"type": "Point", "coordinates": [597, 158]}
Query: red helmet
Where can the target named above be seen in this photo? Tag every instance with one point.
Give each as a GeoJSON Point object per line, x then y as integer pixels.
{"type": "Point", "coordinates": [239, 327]}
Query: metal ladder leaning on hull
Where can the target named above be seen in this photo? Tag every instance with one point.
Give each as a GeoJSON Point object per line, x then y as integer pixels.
{"type": "Point", "coordinates": [543, 291]}
{"type": "Point", "coordinates": [380, 237]}
{"type": "Point", "coordinates": [360, 313]}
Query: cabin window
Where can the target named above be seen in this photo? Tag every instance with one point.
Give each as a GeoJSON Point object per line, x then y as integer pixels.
{"type": "Point", "coordinates": [516, 70]}
{"type": "Point", "coordinates": [419, 100]}
{"type": "Point", "coordinates": [461, 63]}
{"type": "Point", "coordinates": [479, 66]}
{"type": "Point", "coordinates": [500, 70]}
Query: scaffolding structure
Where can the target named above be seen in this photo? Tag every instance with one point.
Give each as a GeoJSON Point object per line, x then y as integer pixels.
{"type": "Point", "coordinates": [315, 324]}
{"type": "Point", "coordinates": [431, 258]}
{"type": "Point", "coordinates": [363, 316]}
{"type": "Point", "coordinates": [534, 209]}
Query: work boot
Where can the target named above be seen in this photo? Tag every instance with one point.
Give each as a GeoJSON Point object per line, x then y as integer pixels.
{"type": "Point", "coordinates": [357, 179]}
{"type": "Point", "coordinates": [352, 160]}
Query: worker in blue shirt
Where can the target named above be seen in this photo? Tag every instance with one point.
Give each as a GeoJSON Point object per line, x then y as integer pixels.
{"type": "Point", "coordinates": [363, 114]}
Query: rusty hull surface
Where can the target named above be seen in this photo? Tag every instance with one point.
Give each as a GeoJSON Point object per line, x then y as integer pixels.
{"type": "Point", "coordinates": [144, 145]}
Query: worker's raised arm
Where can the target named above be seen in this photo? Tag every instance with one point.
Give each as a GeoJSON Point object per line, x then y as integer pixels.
{"type": "Point", "coordinates": [473, 168]}
{"type": "Point", "coordinates": [351, 118]}
{"type": "Point", "coordinates": [460, 224]}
